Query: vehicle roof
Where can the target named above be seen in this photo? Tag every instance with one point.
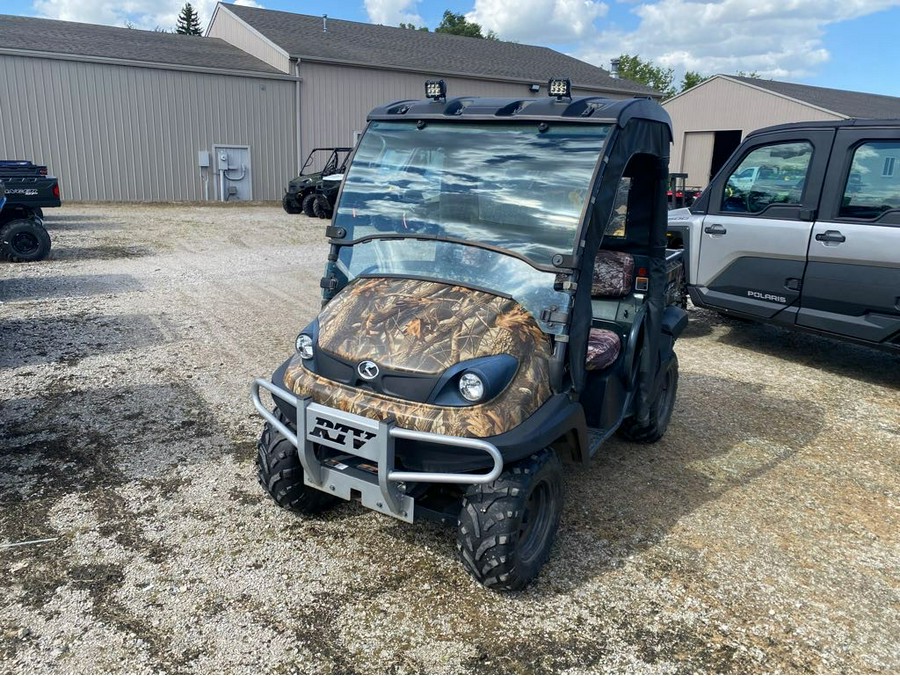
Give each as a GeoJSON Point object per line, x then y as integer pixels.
{"type": "Point", "coordinates": [828, 124]}
{"type": "Point", "coordinates": [582, 109]}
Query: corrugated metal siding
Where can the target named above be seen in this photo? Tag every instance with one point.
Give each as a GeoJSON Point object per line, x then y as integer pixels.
{"type": "Point", "coordinates": [336, 99]}
{"type": "Point", "coordinates": [119, 133]}
{"type": "Point", "coordinates": [231, 29]}
{"type": "Point", "coordinates": [719, 104]}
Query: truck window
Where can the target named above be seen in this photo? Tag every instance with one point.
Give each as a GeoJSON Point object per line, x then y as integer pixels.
{"type": "Point", "coordinates": [772, 174]}
{"type": "Point", "coordinates": [872, 186]}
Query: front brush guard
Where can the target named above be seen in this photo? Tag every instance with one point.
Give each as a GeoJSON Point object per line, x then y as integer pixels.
{"type": "Point", "coordinates": [364, 439]}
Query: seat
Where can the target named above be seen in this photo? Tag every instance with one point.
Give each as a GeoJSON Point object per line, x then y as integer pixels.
{"type": "Point", "coordinates": [613, 274]}
{"type": "Point", "coordinates": [602, 349]}
{"type": "Point", "coordinates": [613, 277]}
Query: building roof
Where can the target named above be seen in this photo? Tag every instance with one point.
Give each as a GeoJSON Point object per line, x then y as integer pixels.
{"type": "Point", "coordinates": [838, 101]}
{"type": "Point", "coordinates": [47, 36]}
{"type": "Point", "coordinates": [440, 54]}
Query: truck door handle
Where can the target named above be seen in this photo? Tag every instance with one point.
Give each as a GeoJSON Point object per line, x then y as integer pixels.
{"type": "Point", "coordinates": [715, 229]}
{"type": "Point", "coordinates": [830, 236]}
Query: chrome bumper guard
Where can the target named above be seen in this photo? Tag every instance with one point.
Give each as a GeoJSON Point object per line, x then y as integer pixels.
{"type": "Point", "coordinates": [369, 440]}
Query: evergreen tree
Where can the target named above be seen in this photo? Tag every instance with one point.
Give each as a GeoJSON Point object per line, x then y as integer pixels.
{"type": "Point", "coordinates": [188, 21]}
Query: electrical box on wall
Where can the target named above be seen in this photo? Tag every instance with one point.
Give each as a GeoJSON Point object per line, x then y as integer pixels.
{"type": "Point", "coordinates": [203, 158]}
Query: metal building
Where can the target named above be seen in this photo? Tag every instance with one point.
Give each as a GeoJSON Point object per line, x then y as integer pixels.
{"type": "Point", "coordinates": [711, 119]}
{"type": "Point", "coordinates": [346, 68]}
{"type": "Point", "coordinates": [129, 115]}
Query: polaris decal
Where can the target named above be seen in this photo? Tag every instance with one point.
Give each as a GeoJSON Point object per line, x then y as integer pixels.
{"type": "Point", "coordinates": [339, 435]}
{"type": "Point", "coordinates": [767, 296]}
{"type": "Point", "coordinates": [28, 192]}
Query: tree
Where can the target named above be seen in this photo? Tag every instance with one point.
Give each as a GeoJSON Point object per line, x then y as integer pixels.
{"type": "Point", "coordinates": [636, 69]}
{"type": "Point", "coordinates": [413, 27]}
{"type": "Point", "coordinates": [456, 24]}
{"type": "Point", "coordinates": [188, 21]}
{"type": "Point", "coordinates": [692, 79]}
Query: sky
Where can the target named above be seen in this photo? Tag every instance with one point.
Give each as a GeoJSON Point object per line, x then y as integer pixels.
{"type": "Point", "coordinates": [842, 44]}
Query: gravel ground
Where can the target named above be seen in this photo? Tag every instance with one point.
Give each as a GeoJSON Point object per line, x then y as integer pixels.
{"type": "Point", "coordinates": [761, 534]}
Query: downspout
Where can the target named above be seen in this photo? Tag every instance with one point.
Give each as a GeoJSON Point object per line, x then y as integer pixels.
{"type": "Point", "coordinates": [297, 117]}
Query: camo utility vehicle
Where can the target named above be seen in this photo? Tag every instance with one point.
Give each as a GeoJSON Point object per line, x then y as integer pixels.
{"type": "Point", "coordinates": [494, 305]}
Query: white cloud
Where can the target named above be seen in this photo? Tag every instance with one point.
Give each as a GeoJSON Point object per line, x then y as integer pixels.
{"type": "Point", "coordinates": [776, 39]}
{"type": "Point", "coordinates": [393, 12]}
{"type": "Point", "coordinates": [146, 14]}
{"type": "Point", "coordinates": [539, 21]}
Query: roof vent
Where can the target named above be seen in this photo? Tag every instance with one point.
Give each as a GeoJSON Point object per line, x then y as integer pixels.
{"type": "Point", "coordinates": [324, 23]}
{"type": "Point", "coordinates": [614, 68]}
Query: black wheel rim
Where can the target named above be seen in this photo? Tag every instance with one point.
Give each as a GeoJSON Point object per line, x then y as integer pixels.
{"type": "Point", "coordinates": [536, 522]}
{"type": "Point", "coordinates": [25, 243]}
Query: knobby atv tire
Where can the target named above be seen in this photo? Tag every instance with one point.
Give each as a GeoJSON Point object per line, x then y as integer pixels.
{"type": "Point", "coordinates": [290, 206]}
{"type": "Point", "coordinates": [507, 528]}
{"type": "Point", "coordinates": [279, 472]}
{"type": "Point", "coordinates": [660, 410]}
{"type": "Point", "coordinates": [308, 205]}
{"type": "Point", "coordinates": [321, 207]}
{"type": "Point", "coordinates": [24, 241]}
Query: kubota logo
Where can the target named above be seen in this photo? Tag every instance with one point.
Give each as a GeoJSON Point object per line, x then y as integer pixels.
{"type": "Point", "coordinates": [367, 369]}
{"type": "Point", "coordinates": [767, 296]}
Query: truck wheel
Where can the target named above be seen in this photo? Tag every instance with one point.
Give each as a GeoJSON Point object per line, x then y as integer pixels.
{"type": "Point", "coordinates": [321, 207]}
{"type": "Point", "coordinates": [507, 528]}
{"type": "Point", "coordinates": [24, 240]}
{"type": "Point", "coordinates": [279, 471]}
{"type": "Point", "coordinates": [308, 205]}
{"type": "Point", "coordinates": [290, 205]}
{"type": "Point", "coordinates": [660, 410]}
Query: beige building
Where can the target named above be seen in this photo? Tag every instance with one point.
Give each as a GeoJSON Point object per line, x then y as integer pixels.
{"type": "Point", "coordinates": [711, 119]}
{"type": "Point", "coordinates": [346, 68]}
{"type": "Point", "coordinates": [129, 115]}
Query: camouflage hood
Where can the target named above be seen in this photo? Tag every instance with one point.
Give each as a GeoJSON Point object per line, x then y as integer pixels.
{"type": "Point", "coordinates": [426, 328]}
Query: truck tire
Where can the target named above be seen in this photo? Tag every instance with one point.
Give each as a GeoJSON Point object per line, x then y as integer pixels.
{"type": "Point", "coordinates": [660, 410]}
{"type": "Point", "coordinates": [321, 207]}
{"type": "Point", "coordinates": [289, 205]}
{"type": "Point", "coordinates": [280, 473]}
{"type": "Point", "coordinates": [308, 205]}
{"type": "Point", "coordinates": [24, 241]}
{"type": "Point", "coordinates": [506, 528]}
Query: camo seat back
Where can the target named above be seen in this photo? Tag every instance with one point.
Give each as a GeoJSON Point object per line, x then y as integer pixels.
{"type": "Point", "coordinates": [613, 274]}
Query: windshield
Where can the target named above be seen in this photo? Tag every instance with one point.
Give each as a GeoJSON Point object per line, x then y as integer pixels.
{"type": "Point", "coordinates": [456, 264]}
{"type": "Point", "coordinates": [520, 187]}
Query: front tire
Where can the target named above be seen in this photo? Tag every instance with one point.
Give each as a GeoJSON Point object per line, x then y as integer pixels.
{"type": "Point", "coordinates": [289, 205]}
{"type": "Point", "coordinates": [280, 473]}
{"type": "Point", "coordinates": [660, 410]}
{"type": "Point", "coordinates": [321, 207]}
{"type": "Point", "coordinates": [308, 205]}
{"type": "Point", "coordinates": [24, 241]}
{"type": "Point", "coordinates": [507, 528]}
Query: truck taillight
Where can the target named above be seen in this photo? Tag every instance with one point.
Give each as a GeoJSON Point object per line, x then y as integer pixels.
{"type": "Point", "coordinates": [56, 191]}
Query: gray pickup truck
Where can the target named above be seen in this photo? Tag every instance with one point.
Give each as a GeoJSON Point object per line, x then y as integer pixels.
{"type": "Point", "coordinates": [812, 241]}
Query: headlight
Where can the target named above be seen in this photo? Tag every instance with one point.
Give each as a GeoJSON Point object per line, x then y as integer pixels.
{"type": "Point", "coordinates": [304, 346]}
{"type": "Point", "coordinates": [471, 387]}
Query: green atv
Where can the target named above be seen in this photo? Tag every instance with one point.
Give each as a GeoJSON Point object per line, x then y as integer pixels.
{"type": "Point", "coordinates": [301, 191]}
{"type": "Point", "coordinates": [495, 304]}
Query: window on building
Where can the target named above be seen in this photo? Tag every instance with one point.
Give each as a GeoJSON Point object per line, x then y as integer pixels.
{"type": "Point", "coordinates": [872, 186]}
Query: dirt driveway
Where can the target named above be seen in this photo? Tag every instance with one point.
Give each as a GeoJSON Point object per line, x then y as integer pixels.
{"type": "Point", "coordinates": [762, 534]}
